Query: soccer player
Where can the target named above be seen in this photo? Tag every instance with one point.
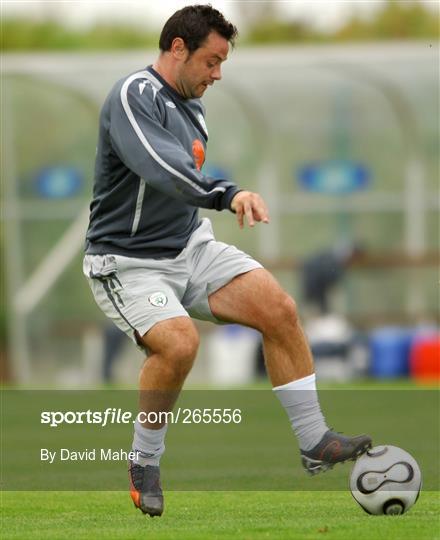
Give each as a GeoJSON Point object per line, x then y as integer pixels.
{"type": "Point", "coordinates": [152, 263]}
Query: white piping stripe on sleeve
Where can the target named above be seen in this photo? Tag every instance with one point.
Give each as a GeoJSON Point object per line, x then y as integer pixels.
{"type": "Point", "coordinates": [144, 141]}
{"type": "Point", "coordinates": [139, 201]}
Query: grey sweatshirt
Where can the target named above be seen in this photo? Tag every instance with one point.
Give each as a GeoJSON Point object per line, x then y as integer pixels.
{"type": "Point", "coordinates": [148, 184]}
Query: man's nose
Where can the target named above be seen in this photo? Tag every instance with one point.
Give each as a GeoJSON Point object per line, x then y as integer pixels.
{"type": "Point", "coordinates": [216, 73]}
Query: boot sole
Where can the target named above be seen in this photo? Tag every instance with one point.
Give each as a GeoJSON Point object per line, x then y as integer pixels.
{"type": "Point", "coordinates": [152, 512]}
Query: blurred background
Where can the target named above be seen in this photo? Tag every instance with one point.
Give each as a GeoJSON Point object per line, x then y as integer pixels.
{"type": "Point", "coordinates": [329, 109]}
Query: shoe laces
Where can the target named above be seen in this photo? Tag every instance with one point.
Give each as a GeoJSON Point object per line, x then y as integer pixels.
{"type": "Point", "coordinates": [143, 481]}
{"type": "Point", "coordinates": [137, 475]}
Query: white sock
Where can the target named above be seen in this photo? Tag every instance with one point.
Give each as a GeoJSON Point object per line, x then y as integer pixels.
{"type": "Point", "coordinates": [149, 444]}
{"type": "Point", "coordinates": [300, 400]}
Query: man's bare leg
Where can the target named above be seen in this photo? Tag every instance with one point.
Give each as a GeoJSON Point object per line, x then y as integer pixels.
{"type": "Point", "coordinates": [256, 299]}
{"type": "Point", "coordinates": [173, 345]}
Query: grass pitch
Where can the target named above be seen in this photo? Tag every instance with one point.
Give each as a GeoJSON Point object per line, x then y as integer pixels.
{"type": "Point", "coordinates": [212, 515]}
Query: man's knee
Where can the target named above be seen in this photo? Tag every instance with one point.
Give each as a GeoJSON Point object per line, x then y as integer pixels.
{"type": "Point", "coordinates": [175, 340]}
{"type": "Point", "coordinates": [281, 315]}
{"type": "Point", "coordinates": [182, 346]}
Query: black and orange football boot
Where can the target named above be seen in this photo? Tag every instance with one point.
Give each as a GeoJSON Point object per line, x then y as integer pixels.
{"type": "Point", "coordinates": [334, 448]}
{"type": "Point", "coordinates": [145, 488]}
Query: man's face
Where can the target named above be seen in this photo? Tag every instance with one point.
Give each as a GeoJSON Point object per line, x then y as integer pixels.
{"type": "Point", "coordinates": [203, 67]}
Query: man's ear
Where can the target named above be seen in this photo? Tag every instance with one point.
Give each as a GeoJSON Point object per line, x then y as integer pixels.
{"type": "Point", "coordinates": [179, 49]}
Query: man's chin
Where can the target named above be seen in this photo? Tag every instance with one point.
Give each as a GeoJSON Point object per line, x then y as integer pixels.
{"type": "Point", "coordinates": [200, 91]}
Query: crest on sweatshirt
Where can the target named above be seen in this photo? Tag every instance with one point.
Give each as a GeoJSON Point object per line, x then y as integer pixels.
{"type": "Point", "coordinates": [198, 153]}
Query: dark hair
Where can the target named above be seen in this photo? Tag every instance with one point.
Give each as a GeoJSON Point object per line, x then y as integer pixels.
{"type": "Point", "coordinates": [193, 24]}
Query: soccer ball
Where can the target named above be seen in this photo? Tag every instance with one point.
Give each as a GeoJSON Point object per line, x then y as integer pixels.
{"type": "Point", "coordinates": [386, 480]}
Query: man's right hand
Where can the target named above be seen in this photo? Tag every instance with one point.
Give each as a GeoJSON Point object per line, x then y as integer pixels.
{"type": "Point", "coordinates": [251, 205]}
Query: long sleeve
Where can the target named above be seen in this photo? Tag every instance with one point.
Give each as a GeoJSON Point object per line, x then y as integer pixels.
{"type": "Point", "coordinates": [154, 153]}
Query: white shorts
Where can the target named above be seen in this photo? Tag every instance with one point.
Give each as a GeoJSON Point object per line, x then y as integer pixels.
{"type": "Point", "coordinates": [137, 293]}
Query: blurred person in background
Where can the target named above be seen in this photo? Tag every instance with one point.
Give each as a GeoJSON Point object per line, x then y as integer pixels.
{"type": "Point", "coordinates": [113, 341]}
{"type": "Point", "coordinates": [321, 273]}
{"type": "Point", "coordinates": [152, 263]}
{"type": "Point", "coordinates": [324, 270]}
{"type": "Point", "coordinates": [340, 352]}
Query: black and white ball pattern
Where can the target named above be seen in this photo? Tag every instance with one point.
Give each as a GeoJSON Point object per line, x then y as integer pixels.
{"type": "Point", "coordinates": [386, 480]}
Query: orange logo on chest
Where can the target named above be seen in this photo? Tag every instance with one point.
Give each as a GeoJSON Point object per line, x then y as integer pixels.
{"type": "Point", "coordinates": [198, 153]}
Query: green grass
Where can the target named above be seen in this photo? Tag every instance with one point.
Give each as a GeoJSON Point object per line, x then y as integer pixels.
{"type": "Point", "coordinates": [211, 515]}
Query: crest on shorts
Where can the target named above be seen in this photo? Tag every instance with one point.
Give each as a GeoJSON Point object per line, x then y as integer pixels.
{"type": "Point", "coordinates": [158, 299]}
